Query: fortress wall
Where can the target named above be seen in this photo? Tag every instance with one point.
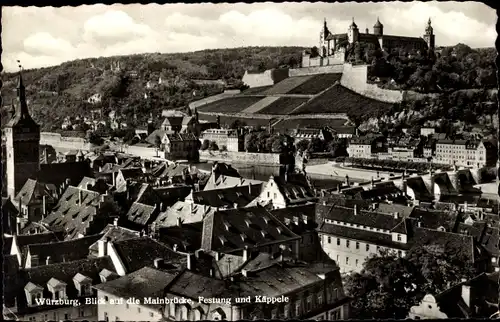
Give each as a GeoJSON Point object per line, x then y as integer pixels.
{"type": "Point", "coordinates": [355, 78]}
{"type": "Point", "coordinates": [63, 142]}
{"type": "Point", "coordinates": [258, 80]}
{"type": "Point", "coordinates": [304, 71]}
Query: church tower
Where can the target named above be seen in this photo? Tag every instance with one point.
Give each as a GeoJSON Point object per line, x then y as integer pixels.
{"type": "Point", "coordinates": [378, 28]}
{"type": "Point", "coordinates": [353, 33]}
{"type": "Point", "coordinates": [23, 144]}
{"type": "Point", "coordinates": [429, 36]}
{"type": "Point", "coordinates": [323, 48]}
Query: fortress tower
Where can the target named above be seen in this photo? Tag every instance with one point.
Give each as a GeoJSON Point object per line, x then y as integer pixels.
{"type": "Point", "coordinates": [429, 36]}
{"type": "Point", "coordinates": [23, 144]}
{"type": "Point", "coordinates": [353, 33]}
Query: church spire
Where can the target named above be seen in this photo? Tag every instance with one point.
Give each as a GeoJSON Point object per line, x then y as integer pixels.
{"type": "Point", "coordinates": [21, 95]}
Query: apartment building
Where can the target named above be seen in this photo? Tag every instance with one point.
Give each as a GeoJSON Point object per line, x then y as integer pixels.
{"type": "Point", "coordinates": [229, 138]}
{"type": "Point", "coordinates": [365, 146]}
{"type": "Point", "coordinates": [466, 153]}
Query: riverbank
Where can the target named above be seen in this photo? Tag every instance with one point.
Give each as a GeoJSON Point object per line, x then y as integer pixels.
{"type": "Point", "coordinates": [335, 170]}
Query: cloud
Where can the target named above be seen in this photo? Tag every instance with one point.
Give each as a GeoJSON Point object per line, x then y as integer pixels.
{"type": "Point", "coordinates": [113, 27]}
{"type": "Point", "coordinates": [47, 36]}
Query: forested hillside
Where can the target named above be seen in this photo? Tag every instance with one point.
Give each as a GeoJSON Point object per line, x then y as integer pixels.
{"type": "Point", "coordinates": [60, 91]}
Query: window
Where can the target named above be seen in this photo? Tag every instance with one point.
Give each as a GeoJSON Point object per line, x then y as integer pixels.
{"type": "Point", "coordinates": [329, 240]}
{"type": "Point", "coordinates": [268, 194]}
{"type": "Point", "coordinates": [367, 247]}
{"type": "Point", "coordinates": [275, 195]}
{"type": "Point", "coordinates": [399, 253]}
{"type": "Point", "coordinates": [274, 313]}
{"type": "Point", "coordinates": [399, 237]}
{"type": "Point", "coordinates": [297, 308]}
{"type": "Point", "coordinates": [347, 242]}
{"type": "Point", "coordinates": [138, 310]}
{"type": "Point", "coordinates": [82, 312]}
{"type": "Point", "coordinates": [32, 318]}
{"type": "Point", "coordinates": [338, 241]}
{"type": "Point", "coordinates": [106, 318]}
{"type": "Point", "coordinates": [320, 299]}
{"type": "Point", "coordinates": [106, 298]}
{"type": "Point", "coordinates": [357, 245]}
{"type": "Point", "coordinates": [309, 303]}
{"type": "Point", "coordinates": [347, 260]}
{"type": "Point", "coordinates": [357, 262]}
{"type": "Point", "coordinates": [151, 314]}
{"type": "Point", "coordinates": [126, 305]}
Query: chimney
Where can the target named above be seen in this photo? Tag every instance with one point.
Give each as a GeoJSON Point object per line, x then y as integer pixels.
{"type": "Point", "coordinates": [339, 188]}
{"type": "Point", "coordinates": [115, 222]}
{"type": "Point", "coordinates": [102, 244]}
{"type": "Point", "coordinates": [175, 248]}
{"type": "Point", "coordinates": [245, 254]}
{"type": "Point", "coordinates": [48, 260]}
{"type": "Point", "coordinates": [419, 224]}
{"type": "Point", "coordinates": [244, 272]}
{"type": "Point", "coordinates": [324, 202]}
{"type": "Point", "coordinates": [466, 293]}
{"type": "Point", "coordinates": [158, 262]}
{"type": "Point", "coordinates": [249, 189]}
{"type": "Point", "coordinates": [396, 215]}
{"type": "Point", "coordinates": [235, 205]}
{"type": "Point", "coordinates": [34, 261]}
{"type": "Point", "coordinates": [179, 222]}
{"type": "Point", "coordinates": [217, 256]}
{"type": "Point", "coordinates": [190, 261]}
{"type": "Point", "coordinates": [347, 182]}
{"type": "Point", "coordinates": [241, 181]}
{"type": "Point", "coordinates": [190, 210]}
{"type": "Point", "coordinates": [18, 225]}
{"type": "Point", "coordinates": [161, 206]}
{"type": "Point", "coordinates": [373, 182]}
{"type": "Point", "coordinates": [80, 197]}
{"type": "Point", "coordinates": [211, 272]}
{"type": "Point", "coordinates": [367, 31]}
{"type": "Point", "coordinates": [466, 208]}
{"type": "Point", "coordinates": [355, 210]}
{"type": "Point", "coordinates": [44, 206]}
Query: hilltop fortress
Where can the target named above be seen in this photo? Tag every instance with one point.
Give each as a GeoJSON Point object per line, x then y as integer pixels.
{"type": "Point", "coordinates": [334, 48]}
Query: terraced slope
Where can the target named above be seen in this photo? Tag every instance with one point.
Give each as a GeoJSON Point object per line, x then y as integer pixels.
{"type": "Point", "coordinates": [309, 123]}
{"type": "Point", "coordinates": [228, 120]}
{"type": "Point", "coordinates": [255, 90]}
{"type": "Point", "coordinates": [283, 105]}
{"type": "Point", "coordinates": [342, 100]}
{"type": "Point", "coordinates": [287, 85]}
{"type": "Point", "coordinates": [230, 105]}
{"type": "Point", "coordinates": [255, 108]}
{"type": "Point", "coordinates": [316, 84]}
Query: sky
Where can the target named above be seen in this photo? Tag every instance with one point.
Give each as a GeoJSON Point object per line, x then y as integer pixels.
{"type": "Point", "coordinates": [47, 36]}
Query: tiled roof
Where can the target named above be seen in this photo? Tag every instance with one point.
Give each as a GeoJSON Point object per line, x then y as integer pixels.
{"type": "Point", "coordinates": [66, 250]}
{"type": "Point", "coordinates": [164, 170]}
{"type": "Point", "coordinates": [33, 191]}
{"type": "Point", "coordinates": [364, 140]}
{"type": "Point", "coordinates": [177, 137]}
{"type": "Point", "coordinates": [173, 121]}
{"type": "Point", "coordinates": [75, 217]}
{"type": "Point", "coordinates": [386, 208]}
{"type": "Point", "coordinates": [25, 240]}
{"type": "Point", "coordinates": [57, 173]}
{"type": "Point", "coordinates": [144, 283]}
{"type": "Point", "coordinates": [382, 191]}
{"type": "Point", "coordinates": [113, 233]}
{"type": "Point", "coordinates": [296, 188]}
{"type": "Point", "coordinates": [231, 230]}
{"type": "Point", "coordinates": [223, 181]}
{"type": "Point", "coordinates": [365, 218]}
{"type": "Point", "coordinates": [140, 252]}
{"type": "Point", "coordinates": [151, 139]}
{"type": "Point", "coordinates": [187, 237]}
{"type": "Point", "coordinates": [228, 197]}
{"type": "Point", "coordinates": [450, 242]}
{"type": "Point", "coordinates": [170, 195]}
{"type": "Point", "coordinates": [434, 219]}
{"type": "Point", "coordinates": [304, 213]}
{"type": "Point", "coordinates": [132, 173]}
{"type": "Point", "coordinates": [141, 214]}
{"type": "Point", "coordinates": [64, 272]}
{"type": "Point", "coordinates": [184, 211]}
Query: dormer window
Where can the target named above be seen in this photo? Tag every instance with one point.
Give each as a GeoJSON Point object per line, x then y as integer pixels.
{"type": "Point", "coordinates": [57, 288]}
{"type": "Point", "coordinates": [83, 284]}
{"type": "Point", "coordinates": [399, 237]}
{"type": "Point", "coordinates": [33, 292]}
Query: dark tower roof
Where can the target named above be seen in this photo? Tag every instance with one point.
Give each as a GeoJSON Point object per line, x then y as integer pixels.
{"type": "Point", "coordinates": [429, 28]}
{"type": "Point", "coordinates": [353, 25]}
{"type": "Point", "coordinates": [22, 116]}
{"type": "Point", "coordinates": [378, 24]}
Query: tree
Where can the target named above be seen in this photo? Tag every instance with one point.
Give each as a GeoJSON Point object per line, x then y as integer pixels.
{"type": "Point", "coordinates": [223, 148]}
{"type": "Point", "coordinates": [157, 142]}
{"type": "Point", "coordinates": [94, 138]}
{"type": "Point", "coordinates": [213, 146]}
{"type": "Point", "coordinates": [302, 145]}
{"type": "Point", "coordinates": [316, 145]}
{"type": "Point", "coordinates": [205, 144]}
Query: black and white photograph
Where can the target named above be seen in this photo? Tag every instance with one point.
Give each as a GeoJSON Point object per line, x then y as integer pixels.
{"type": "Point", "coordinates": [250, 161]}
